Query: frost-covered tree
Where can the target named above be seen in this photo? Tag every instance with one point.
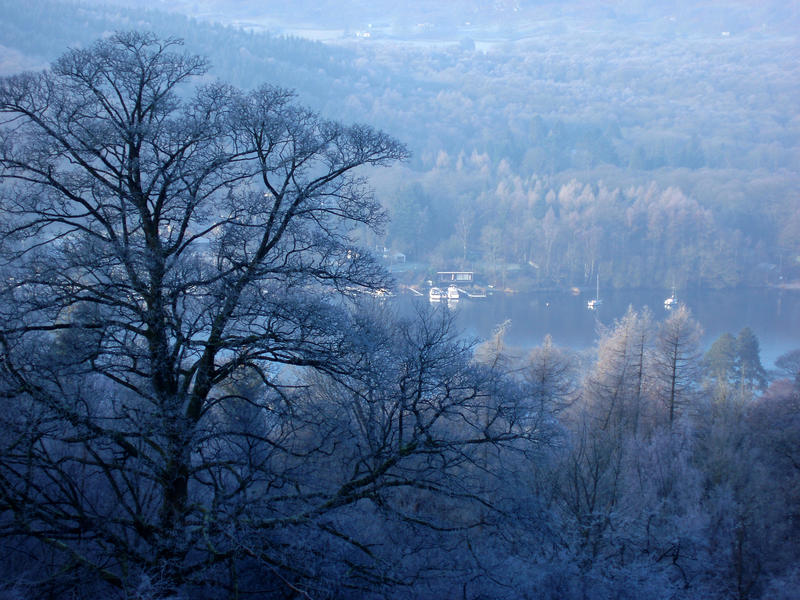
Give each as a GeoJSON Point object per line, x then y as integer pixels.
{"type": "Point", "coordinates": [617, 387]}
{"type": "Point", "coordinates": [551, 373]}
{"type": "Point", "coordinates": [176, 259]}
{"type": "Point", "coordinates": [197, 400]}
{"type": "Point", "coordinates": [676, 359]}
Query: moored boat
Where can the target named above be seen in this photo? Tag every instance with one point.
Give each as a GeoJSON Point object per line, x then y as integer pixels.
{"type": "Point", "coordinates": [596, 302]}
{"type": "Point", "coordinates": [671, 302]}
{"type": "Point", "coordinates": [437, 294]}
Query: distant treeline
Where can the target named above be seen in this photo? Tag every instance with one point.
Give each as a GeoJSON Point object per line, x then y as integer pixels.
{"type": "Point", "coordinates": [658, 145]}
{"type": "Point", "coordinates": [688, 229]}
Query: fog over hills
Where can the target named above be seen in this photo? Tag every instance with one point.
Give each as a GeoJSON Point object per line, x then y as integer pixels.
{"type": "Point", "coordinates": [506, 17]}
{"type": "Point", "coordinates": [514, 110]}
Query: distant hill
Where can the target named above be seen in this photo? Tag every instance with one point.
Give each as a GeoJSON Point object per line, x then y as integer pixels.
{"type": "Point", "coordinates": [595, 127]}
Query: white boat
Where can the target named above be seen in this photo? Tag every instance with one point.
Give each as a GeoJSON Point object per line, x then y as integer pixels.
{"type": "Point", "coordinates": [596, 302]}
{"type": "Point", "coordinates": [437, 294]}
{"type": "Point", "coordinates": [452, 293]}
{"type": "Point", "coordinates": [671, 302]}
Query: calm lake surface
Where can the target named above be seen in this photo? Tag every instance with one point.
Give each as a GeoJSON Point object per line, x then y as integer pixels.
{"type": "Point", "coordinates": [773, 315]}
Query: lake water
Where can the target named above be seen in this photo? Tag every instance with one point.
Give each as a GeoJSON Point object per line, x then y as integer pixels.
{"type": "Point", "coordinates": [773, 315]}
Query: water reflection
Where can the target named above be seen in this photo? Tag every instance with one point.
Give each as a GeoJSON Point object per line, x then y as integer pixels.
{"type": "Point", "coordinates": [774, 316]}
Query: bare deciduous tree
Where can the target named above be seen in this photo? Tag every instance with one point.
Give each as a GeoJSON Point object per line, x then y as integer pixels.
{"type": "Point", "coordinates": [192, 398]}
{"type": "Point", "coordinates": [161, 243]}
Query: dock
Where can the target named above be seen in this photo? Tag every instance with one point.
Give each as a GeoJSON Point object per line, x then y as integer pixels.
{"type": "Point", "coordinates": [472, 295]}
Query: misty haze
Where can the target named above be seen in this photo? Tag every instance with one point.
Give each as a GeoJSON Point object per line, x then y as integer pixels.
{"type": "Point", "coordinates": [466, 299]}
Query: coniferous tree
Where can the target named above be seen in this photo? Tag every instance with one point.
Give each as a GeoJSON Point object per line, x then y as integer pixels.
{"type": "Point", "coordinates": [751, 372]}
{"type": "Point", "coordinates": [676, 356]}
{"type": "Point", "coordinates": [720, 361]}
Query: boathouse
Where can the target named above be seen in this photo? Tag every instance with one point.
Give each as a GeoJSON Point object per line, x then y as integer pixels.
{"type": "Point", "coordinates": [455, 276]}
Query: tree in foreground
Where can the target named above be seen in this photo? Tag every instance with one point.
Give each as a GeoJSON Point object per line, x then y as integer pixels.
{"type": "Point", "coordinates": [188, 397]}
{"type": "Point", "coordinates": [676, 359]}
